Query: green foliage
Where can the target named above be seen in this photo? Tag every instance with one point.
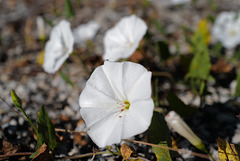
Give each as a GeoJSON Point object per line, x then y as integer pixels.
{"type": "Point", "coordinates": [162, 154]}
{"type": "Point", "coordinates": [237, 90]}
{"type": "Point", "coordinates": [177, 105]}
{"type": "Point", "coordinates": [159, 134]}
{"type": "Point", "coordinates": [163, 50]}
{"type": "Point", "coordinates": [68, 9]}
{"type": "Point", "coordinates": [46, 130]}
{"type": "Point", "coordinates": [16, 100]}
{"type": "Point", "coordinates": [18, 103]}
{"type": "Point", "coordinates": [200, 66]}
{"type": "Point", "coordinates": [66, 78]}
{"type": "Point", "coordinates": [227, 151]}
{"type": "Point", "coordinates": [159, 27]}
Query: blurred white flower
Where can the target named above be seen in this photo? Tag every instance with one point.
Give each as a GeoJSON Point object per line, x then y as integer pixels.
{"type": "Point", "coordinates": [85, 32]}
{"type": "Point", "coordinates": [226, 29]}
{"type": "Point", "coordinates": [59, 47]}
{"type": "Point", "coordinates": [116, 102]}
{"type": "Point", "coordinates": [179, 2]}
{"type": "Point", "coordinates": [123, 39]}
{"type": "Point", "coordinates": [41, 27]}
{"type": "Point", "coordinates": [177, 124]}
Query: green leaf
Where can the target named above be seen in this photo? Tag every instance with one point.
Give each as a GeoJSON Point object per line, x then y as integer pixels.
{"type": "Point", "coordinates": [237, 90]}
{"type": "Point", "coordinates": [66, 79]}
{"type": "Point", "coordinates": [46, 130]}
{"type": "Point", "coordinates": [159, 27]}
{"type": "Point", "coordinates": [162, 154]}
{"type": "Point", "coordinates": [226, 151]}
{"type": "Point", "coordinates": [163, 50]}
{"type": "Point", "coordinates": [200, 65]}
{"type": "Point", "coordinates": [159, 134]}
{"type": "Point", "coordinates": [178, 105]}
{"type": "Point", "coordinates": [68, 9]}
{"type": "Point", "coordinates": [34, 154]}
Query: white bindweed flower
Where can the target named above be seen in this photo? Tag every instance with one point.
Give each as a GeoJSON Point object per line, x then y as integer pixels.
{"type": "Point", "coordinates": [116, 102]}
{"type": "Point", "coordinates": [123, 39]}
{"type": "Point", "coordinates": [226, 29]}
{"type": "Point", "coordinates": [41, 28]}
{"type": "Point", "coordinates": [179, 2]}
{"type": "Point", "coordinates": [176, 122]}
{"type": "Point", "coordinates": [59, 47]}
{"type": "Point", "coordinates": [85, 32]}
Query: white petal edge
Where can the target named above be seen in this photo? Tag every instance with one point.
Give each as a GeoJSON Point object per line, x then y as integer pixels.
{"type": "Point", "coordinates": [138, 118]}
{"type": "Point", "coordinates": [107, 132]}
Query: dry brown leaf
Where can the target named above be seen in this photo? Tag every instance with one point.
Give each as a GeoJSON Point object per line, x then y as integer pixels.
{"type": "Point", "coordinates": [8, 148]}
{"type": "Point", "coordinates": [221, 66]}
{"type": "Point", "coordinates": [126, 151]}
{"type": "Point", "coordinates": [43, 154]}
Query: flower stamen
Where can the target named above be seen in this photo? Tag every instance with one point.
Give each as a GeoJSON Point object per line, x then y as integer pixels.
{"type": "Point", "coordinates": [127, 105]}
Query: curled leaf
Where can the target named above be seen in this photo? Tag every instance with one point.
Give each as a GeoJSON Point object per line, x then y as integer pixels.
{"type": "Point", "coordinates": [126, 151]}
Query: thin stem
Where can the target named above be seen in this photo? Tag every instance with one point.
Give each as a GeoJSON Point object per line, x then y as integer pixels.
{"type": "Point", "coordinates": [169, 148]}
{"type": "Point", "coordinates": [94, 153]}
{"type": "Point", "coordinates": [69, 131]}
{"type": "Point", "coordinates": [134, 141]}
{"type": "Point", "coordinates": [15, 154]}
{"type": "Point", "coordinates": [162, 74]}
{"type": "Point", "coordinates": [35, 129]}
{"type": "Point", "coordinates": [86, 155]}
{"type": "Point", "coordinates": [26, 117]}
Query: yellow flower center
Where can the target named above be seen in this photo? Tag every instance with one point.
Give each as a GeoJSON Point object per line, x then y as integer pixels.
{"type": "Point", "coordinates": [127, 105]}
{"type": "Point", "coordinates": [233, 33]}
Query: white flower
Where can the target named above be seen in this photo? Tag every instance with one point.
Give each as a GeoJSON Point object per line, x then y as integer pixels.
{"type": "Point", "coordinates": [123, 39]}
{"type": "Point", "coordinates": [176, 122]}
{"type": "Point", "coordinates": [116, 102]}
{"type": "Point", "coordinates": [85, 32]}
{"type": "Point", "coordinates": [179, 2]}
{"type": "Point", "coordinates": [40, 27]}
{"type": "Point", "coordinates": [226, 29]}
{"type": "Point", "coordinates": [59, 47]}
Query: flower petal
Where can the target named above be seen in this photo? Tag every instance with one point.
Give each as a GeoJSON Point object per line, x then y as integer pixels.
{"type": "Point", "coordinates": [114, 72]}
{"type": "Point", "coordinates": [59, 47]}
{"type": "Point", "coordinates": [101, 82]}
{"type": "Point", "coordinates": [123, 39]}
{"type": "Point", "coordinates": [107, 131]}
{"type": "Point", "coordinates": [92, 115]}
{"type": "Point", "coordinates": [137, 118]}
{"type": "Point", "coordinates": [86, 32]}
{"type": "Point", "coordinates": [137, 81]}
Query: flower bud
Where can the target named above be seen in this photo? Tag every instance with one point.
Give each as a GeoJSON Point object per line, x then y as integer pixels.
{"type": "Point", "coordinates": [16, 100]}
{"type": "Point", "coordinates": [176, 122]}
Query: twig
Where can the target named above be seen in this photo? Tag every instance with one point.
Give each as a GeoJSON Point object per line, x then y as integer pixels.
{"type": "Point", "coordinates": [15, 154]}
{"type": "Point", "coordinates": [86, 155]}
{"type": "Point", "coordinates": [93, 154]}
{"type": "Point", "coordinates": [169, 148]}
{"type": "Point", "coordinates": [162, 74]}
{"type": "Point", "coordinates": [69, 131]}
{"type": "Point", "coordinates": [141, 158]}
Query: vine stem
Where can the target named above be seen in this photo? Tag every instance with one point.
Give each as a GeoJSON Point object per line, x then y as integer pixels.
{"type": "Point", "coordinates": [15, 154]}
{"type": "Point", "coordinates": [134, 141]}
{"type": "Point", "coordinates": [87, 155]}
{"type": "Point", "coordinates": [69, 131]}
{"type": "Point", "coordinates": [172, 149]}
